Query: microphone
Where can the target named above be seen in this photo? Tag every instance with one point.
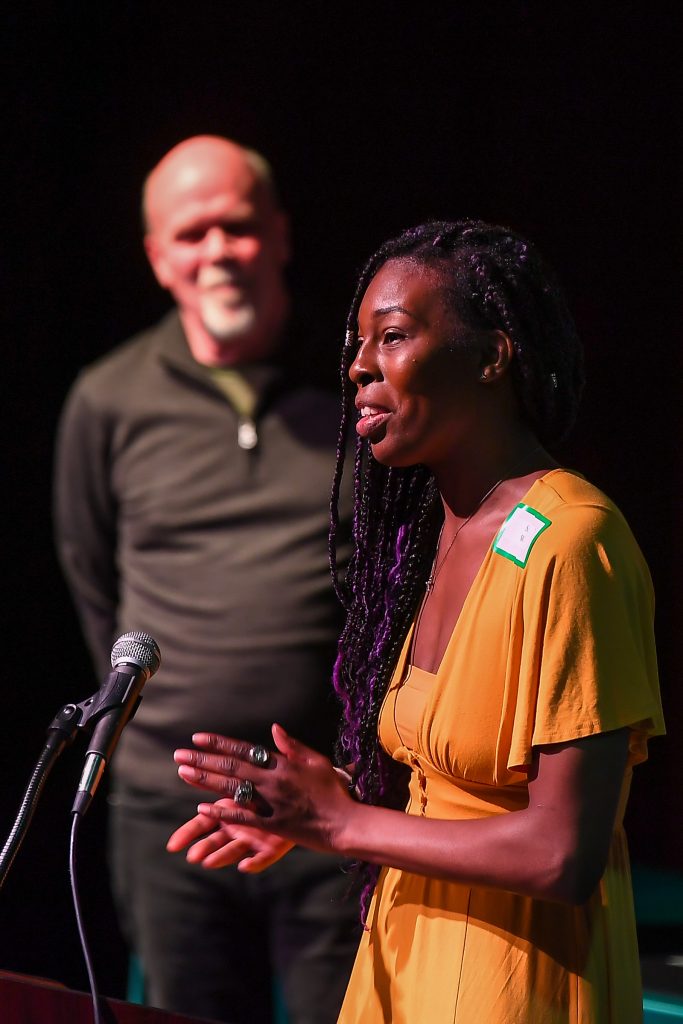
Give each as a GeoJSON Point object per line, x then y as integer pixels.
{"type": "Point", "coordinates": [135, 657]}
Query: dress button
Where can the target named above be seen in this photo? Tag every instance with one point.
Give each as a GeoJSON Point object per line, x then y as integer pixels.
{"type": "Point", "coordinates": [421, 781]}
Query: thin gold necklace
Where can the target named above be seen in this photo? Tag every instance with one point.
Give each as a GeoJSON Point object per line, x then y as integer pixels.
{"type": "Point", "coordinates": [436, 568]}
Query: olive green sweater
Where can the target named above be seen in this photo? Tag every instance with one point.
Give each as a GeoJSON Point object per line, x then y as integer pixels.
{"type": "Point", "coordinates": [165, 524]}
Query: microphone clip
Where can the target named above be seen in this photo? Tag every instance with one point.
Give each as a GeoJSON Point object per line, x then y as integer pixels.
{"type": "Point", "coordinates": [113, 693]}
{"type": "Point", "coordinates": [83, 716]}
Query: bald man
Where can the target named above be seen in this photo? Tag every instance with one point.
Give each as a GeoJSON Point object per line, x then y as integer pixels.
{"type": "Point", "coordinates": [192, 485]}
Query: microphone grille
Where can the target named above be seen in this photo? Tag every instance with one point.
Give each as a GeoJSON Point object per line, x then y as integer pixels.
{"type": "Point", "coordinates": [139, 648]}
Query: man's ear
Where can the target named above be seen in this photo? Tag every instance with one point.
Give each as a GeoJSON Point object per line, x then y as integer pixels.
{"type": "Point", "coordinates": [156, 260]}
{"type": "Point", "coordinates": [497, 353]}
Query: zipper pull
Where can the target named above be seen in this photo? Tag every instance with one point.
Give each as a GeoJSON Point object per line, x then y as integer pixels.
{"type": "Point", "coordinates": [247, 438]}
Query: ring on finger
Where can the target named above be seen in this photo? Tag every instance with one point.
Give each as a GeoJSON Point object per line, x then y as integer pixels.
{"type": "Point", "coordinates": [244, 793]}
{"type": "Point", "coordinates": [259, 756]}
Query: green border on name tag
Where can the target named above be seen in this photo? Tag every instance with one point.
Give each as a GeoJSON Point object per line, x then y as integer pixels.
{"type": "Point", "coordinates": [537, 515]}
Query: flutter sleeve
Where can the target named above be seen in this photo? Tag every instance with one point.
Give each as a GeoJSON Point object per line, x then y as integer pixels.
{"type": "Point", "coordinates": [585, 623]}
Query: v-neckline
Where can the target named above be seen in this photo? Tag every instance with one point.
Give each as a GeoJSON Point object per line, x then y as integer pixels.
{"type": "Point", "coordinates": [473, 586]}
{"type": "Point", "coordinates": [407, 664]}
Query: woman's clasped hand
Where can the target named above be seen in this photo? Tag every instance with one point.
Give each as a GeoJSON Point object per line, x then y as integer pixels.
{"type": "Point", "coordinates": [298, 797]}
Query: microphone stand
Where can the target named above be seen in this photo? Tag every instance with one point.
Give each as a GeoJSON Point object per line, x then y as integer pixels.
{"type": "Point", "coordinates": [120, 691]}
{"type": "Point", "coordinates": [60, 734]}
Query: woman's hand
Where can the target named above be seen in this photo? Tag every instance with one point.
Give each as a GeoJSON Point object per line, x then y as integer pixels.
{"type": "Point", "coordinates": [218, 844]}
{"type": "Point", "coordinates": [298, 796]}
{"type": "Point", "coordinates": [555, 848]}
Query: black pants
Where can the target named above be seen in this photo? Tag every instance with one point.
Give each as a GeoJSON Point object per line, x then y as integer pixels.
{"type": "Point", "coordinates": [215, 943]}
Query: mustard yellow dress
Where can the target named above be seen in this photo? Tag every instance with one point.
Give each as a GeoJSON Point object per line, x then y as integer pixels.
{"type": "Point", "coordinates": [554, 642]}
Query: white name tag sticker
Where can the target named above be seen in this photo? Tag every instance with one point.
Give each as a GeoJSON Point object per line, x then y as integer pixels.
{"type": "Point", "coordinates": [519, 533]}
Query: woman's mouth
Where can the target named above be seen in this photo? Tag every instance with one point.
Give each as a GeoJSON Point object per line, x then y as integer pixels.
{"type": "Point", "coordinates": [372, 418]}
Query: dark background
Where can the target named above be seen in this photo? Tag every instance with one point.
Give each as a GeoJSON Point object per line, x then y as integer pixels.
{"type": "Point", "coordinates": [555, 119]}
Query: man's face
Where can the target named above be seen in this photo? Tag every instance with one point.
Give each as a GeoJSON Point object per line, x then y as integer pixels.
{"type": "Point", "coordinates": [218, 243]}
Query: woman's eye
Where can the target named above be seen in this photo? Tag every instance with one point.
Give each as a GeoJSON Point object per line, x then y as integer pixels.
{"type": "Point", "coordinates": [392, 336]}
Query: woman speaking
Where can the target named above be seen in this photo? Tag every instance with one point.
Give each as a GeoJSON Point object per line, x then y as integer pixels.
{"type": "Point", "coordinates": [497, 670]}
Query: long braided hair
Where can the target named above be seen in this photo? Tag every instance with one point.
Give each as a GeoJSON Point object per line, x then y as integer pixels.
{"type": "Point", "coordinates": [493, 280]}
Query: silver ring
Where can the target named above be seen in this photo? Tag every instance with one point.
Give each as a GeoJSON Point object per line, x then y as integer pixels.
{"type": "Point", "coordinates": [259, 756]}
{"type": "Point", "coordinates": [244, 793]}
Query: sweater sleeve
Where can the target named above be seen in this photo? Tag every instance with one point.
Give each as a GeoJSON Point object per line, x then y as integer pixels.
{"type": "Point", "coordinates": [84, 512]}
{"type": "Point", "coordinates": [588, 662]}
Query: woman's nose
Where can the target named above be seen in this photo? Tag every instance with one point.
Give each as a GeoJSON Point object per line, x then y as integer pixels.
{"type": "Point", "coordinates": [363, 369]}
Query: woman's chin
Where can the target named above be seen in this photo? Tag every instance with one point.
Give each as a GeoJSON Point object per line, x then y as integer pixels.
{"type": "Point", "coordinates": [389, 455]}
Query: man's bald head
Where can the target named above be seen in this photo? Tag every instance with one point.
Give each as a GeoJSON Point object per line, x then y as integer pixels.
{"type": "Point", "coordinates": [203, 155]}
{"type": "Point", "coordinates": [218, 241]}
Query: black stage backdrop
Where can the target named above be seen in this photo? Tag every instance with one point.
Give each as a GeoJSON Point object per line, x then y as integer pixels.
{"type": "Point", "coordinates": [557, 120]}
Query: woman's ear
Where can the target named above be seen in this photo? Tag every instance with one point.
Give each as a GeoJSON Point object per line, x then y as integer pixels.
{"type": "Point", "coordinates": [497, 352]}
